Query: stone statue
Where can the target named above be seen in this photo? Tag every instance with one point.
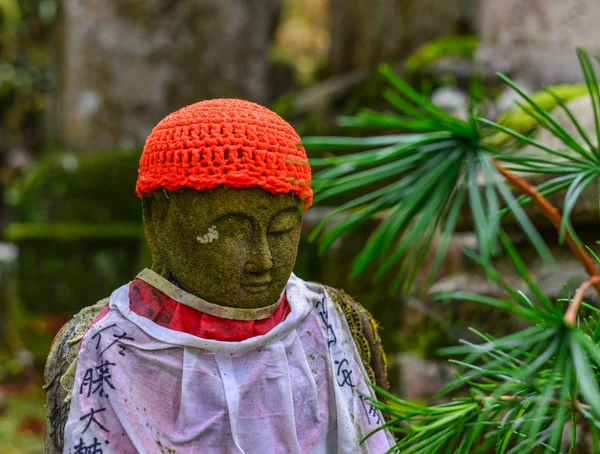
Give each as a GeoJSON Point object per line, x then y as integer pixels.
{"type": "Point", "coordinates": [218, 348]}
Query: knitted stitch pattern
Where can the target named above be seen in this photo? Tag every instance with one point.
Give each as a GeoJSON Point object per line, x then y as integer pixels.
{"type": "Point", "coordinates": [225, 142]}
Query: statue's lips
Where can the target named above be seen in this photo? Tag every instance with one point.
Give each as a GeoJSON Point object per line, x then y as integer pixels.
{"type": "Point", "coordinates": [257, 286]}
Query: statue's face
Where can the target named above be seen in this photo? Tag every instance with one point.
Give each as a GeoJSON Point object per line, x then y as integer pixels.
{"type": "Point", "coordinates": [233, 247]}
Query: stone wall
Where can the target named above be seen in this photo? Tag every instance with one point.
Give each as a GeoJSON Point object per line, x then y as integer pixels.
{"type": "Point", "coordinates": [534, 40]}
{"type": "Point", "coordinates": [126, 64]}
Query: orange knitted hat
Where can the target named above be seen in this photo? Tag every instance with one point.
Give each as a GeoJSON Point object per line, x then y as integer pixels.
{"type": "Point", "coordinates": [225, 142]}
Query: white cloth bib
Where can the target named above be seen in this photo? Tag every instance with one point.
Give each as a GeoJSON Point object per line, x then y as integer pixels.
{"type": "Point", "coordinates": [143, 388]}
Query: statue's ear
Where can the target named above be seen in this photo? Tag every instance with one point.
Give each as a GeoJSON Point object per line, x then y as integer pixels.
{"type": "Point", "coordinates": [155, 207]}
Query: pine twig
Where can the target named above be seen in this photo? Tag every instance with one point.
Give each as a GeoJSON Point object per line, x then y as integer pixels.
{"type": "Point", "coordinates": [518, 399]}
{"type": "Point", "coordinates": [570, 317]}
{"type": "Point", "coordinates": [552, 214]}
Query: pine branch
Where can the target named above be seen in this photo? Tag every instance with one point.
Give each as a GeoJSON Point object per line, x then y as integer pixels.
{"type": "Point", "coordinates": [553, 215]}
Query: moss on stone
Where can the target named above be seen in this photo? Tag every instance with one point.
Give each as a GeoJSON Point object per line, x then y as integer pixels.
{"type": "Point", "coordinates": [64, 276]}
{"type": "Point", "coordinates": [21, 231]}
{"type": "Point", "coordinates": [520, 121]}
{"type": "Point", "coordinates": [78, 227]}
{"type": "Point", "coordinates": [63, 187]}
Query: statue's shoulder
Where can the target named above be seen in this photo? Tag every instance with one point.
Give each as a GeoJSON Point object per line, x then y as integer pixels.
{"type": "Point", "coordinates": [59, 374]}
{"type": "Point", "coordinates": [364, 330]}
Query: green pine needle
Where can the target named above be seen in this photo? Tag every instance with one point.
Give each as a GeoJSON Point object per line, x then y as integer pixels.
{"type": "Point", "coordinates": [521, 391]}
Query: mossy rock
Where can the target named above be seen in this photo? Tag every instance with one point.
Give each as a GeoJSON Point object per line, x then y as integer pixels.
{"type": "Point", "coordinates": [78, 227]}
{"type": "Point", "coordinates": [64, 276]}
{"type": "Point", "coordinates": [90, 188]}
{"type": "Point", "coordinates": [519, 120]}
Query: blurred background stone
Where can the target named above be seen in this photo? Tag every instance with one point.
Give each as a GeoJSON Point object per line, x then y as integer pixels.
{"type": "Point", "coordinates": [534, 40]}
{"type": "Point", "coordinates": [451, 100]}
{"type": "Point", "coordinates": [126, 64]}
{"type": "Point", "coordinates": [416, 378]}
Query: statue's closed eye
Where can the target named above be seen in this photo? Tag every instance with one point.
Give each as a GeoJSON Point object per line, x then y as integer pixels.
{"type": "Point", "coordinates": [284, 221]}
{"type": "Point", "coordinates": [233, 224]}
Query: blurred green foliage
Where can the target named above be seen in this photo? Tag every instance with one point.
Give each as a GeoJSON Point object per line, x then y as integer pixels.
{"type": "Point", "coordinates": [25, 28]}
{"type": "Point", "coordinates": [434, 50]}
{"type": "Point", "coordinates": [22, 423]}
{"type": "Point", "coordinates": [302, 39]}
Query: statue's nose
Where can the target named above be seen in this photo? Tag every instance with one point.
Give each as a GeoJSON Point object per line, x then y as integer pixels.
{"type": "Point", "coordinates": [259, 257]}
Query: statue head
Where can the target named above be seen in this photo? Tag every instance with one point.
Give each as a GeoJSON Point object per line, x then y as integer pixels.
{"type": "Point", "coordinates": [224, 184]}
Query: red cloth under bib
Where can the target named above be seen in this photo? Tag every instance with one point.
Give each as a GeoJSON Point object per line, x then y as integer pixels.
{"type": "Point", "coordinates": [153, 304]}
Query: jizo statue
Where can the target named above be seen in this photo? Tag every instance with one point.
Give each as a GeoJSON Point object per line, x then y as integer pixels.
{"type": "Point", "coordinates": [218, 348]}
